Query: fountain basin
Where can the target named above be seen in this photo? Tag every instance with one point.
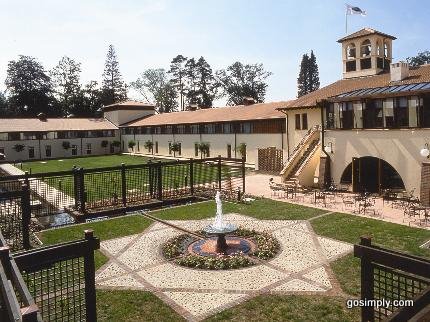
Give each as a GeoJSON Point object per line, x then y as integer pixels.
{"type": "Point", "coordinates": [209, 247]}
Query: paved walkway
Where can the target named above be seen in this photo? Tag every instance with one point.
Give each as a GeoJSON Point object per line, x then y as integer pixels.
{"type": "Point", "coordinates": [46, 192]}
{"type": "Point", "coordinates": [258, 185]}
{"type": "Point", "coordinates": [302, 267]}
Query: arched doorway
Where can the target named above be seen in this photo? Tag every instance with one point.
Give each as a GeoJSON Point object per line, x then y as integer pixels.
{"type": "Point", "coordinates": [371, 174]}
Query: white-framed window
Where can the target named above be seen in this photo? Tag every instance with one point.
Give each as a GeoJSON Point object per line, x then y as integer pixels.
{"type": "Point", "coordinates": [48, 151]}
{"type": "Point", "coordinates": [74, 150]}
{"type": "Point", "coordinates": [31, 152]}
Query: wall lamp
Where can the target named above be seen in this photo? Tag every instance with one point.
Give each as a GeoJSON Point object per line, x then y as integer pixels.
{"type": "Point", "coordinates": [329, 147]}
{"type": "Point", "coordinates": [425, 152]}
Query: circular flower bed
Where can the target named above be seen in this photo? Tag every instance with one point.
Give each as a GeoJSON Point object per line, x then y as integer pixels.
{"type": "Point", "coordinates": [266, 247]}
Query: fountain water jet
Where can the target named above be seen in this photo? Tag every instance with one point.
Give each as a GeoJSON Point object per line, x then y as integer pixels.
{"type": "Point", "coordinates": [219, 228]}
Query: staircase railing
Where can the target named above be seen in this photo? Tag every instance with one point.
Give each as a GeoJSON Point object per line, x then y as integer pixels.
{"type": "Point", "coordinates": [300, 148]}
{"type": "Point", "coordinates": [305, 158]}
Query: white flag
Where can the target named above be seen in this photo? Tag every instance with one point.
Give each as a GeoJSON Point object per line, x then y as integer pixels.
{"type": "Point", "coordinates": [351, 10]}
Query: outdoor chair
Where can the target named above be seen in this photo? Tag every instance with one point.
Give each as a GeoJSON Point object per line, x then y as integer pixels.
{"type": "Point", "coordinates": [348, 202]}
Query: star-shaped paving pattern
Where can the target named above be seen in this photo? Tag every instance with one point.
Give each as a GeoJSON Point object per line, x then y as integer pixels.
{"type": "Point", "coordinates": [301, 267]}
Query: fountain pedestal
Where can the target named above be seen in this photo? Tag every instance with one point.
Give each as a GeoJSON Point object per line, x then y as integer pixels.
{"type": "Point", "coordinates": [221, 244]}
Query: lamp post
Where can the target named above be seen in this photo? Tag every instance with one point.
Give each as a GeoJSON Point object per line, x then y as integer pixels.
{"type": "Point", "coordinates": [425, 152]}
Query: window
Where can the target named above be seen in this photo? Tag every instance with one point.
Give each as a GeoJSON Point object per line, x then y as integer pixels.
{"type": "Point", "coordinates": [246, 127]}
{"type": "Point", "coordinates": [346, 115]}
{"type": "Point", "coordinates": [156, 147]}
{"type": "Point", "coordinates": [3, 136]}
{"type": "Point", "coordinates": [180, 149]}
{"type": "Point", "coordinates": [30, 136]}
{"type": "Point", "coordinates": [196, 149]}
{"type": "Point", "coordinates": [304, 121]}
{"type": "Point", "coordinates": [195, 129]}
{"type": "Point", "coordinates": [372, 114]}
{"type": "Point", "coordinates": [74, 150]}
{"type": "Point", "coordinates": [350, 51]}
{"type": "Point", "coordinates": [358, 114]}
{"type": "Point", "coordinates": [209, 128]}
{"type": "Point", "coordinates": [168, 129]}
{"type": "Point", "coordinates": [2, 150]}
{"type": "Point", "coordinates": [170, 148]}
{"type": "Point", "coordinates": [157, 130]}
{"type": "Point", "coordinates": [401, 115]}
{"type": "Point", "coordinates": [88, 148]}
{"type": "Point", "coordinates": [297, 121]}
{"type": "Point", "coordinates": [180, 129]}
{"type": "Point", "coordinates": [48, 151]}
{"type": "Point", "coordinates": [31, 152]}
{"type": "Point", "coordinates": [413, 106]}
{"type": "Point", "coordinates": [227, 128]}
{"type": "Point", "coordinates": [14, 136]}
{"type": "Point", "coordinates": [228, 150]}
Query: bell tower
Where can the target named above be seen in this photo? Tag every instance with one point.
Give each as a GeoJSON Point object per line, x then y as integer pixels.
{"type": "Point", "coordinates": [366, 52]}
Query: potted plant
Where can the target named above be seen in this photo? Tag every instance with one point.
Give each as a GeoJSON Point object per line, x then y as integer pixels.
{"type": "Point", "coordinates": [148, 145]}
{"type": "Point", "coordinates": [104, 144]}
{"type": "Point", "coordinates": [19, 147]}
{"type": "Point", "coordinates": [175, 147]}
{"type": "Point", "coordinates": [204, 148]}
{"type": "Point", "coordinates": [131, 144]}
{"type": "Point", "coordinates": [241, 148]}
{"type": "Point", "coordinates": [66, 145]}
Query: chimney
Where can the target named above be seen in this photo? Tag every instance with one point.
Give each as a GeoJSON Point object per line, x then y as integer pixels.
{"type": "Point", "coordinates": [248, 100]}
{"type": "Point", "coordinates": [41, 117]}
{"type": "Point", "coordinates": [399, 71]}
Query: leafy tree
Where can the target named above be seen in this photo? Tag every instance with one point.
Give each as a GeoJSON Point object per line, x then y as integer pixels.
{"type": "Point", "coordinates": [29, 87]}
{"type": "Point", "coordinates": [131, 144]}
{"type": "Point", "coordinates": [421, 58]}
{"type": "Point", "coordinates": [66, 145]}
{"type": "Point", "coordinates": [113, 87]}
{"type": "Point", "coordinates": [175, 147]}
{"type": "Point", "coordinates": [4, 108]}
{"type": "Point", "coordinates": [154, 86]}
{"type": "Point", "coordinates": [148, 145]}
{"type": "Point", "coordinates": [239, 81]}
{"type": "Point", "coordinates": [206, 87]}
{"type": "Point", "coordinates": [308, 80]}
{"type": "Point", "coordinates": [178, 71]}
{"type": "Point", "coordinates": [65, 77]}
{"type": "Point", "coordinates": [91, 96]}
{"type": "Point", "coordinates": [18, 147]}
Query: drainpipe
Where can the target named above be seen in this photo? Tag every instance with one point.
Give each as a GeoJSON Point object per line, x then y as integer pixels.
{"type": "Point", "coordinates": [321, 104]}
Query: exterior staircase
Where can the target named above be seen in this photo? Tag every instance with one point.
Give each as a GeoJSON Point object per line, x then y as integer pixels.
{"type": "Point", "coordinates": [303, 151]}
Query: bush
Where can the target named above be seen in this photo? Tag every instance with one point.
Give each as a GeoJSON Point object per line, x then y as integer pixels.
{"type": "Point", "coordinates": [131, 144]}
{"type": "Point", "coordinates": [66, 145]}
{"type": "Point", "coordinates": [116, 143]}
{"type": "Point", "coordinates": [148, 145]}
{"type": "Point", "coordinates": [104, 144]}
{"type": "Point", "coordinates": [19, 147]}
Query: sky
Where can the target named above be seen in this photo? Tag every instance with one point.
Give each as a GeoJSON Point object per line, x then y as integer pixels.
{"type": "Point", "coordinates": [149, 33]}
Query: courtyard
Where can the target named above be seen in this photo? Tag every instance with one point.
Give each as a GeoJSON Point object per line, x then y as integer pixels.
{"type": "Point", "coordinates": [310, 278]}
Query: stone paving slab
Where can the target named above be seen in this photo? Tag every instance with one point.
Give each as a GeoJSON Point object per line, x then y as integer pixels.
{"type": "Point", "coordinates": [136, 262]}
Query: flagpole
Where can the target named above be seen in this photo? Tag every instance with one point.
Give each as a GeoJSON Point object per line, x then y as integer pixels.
{"type": "Point", "coordinates": [346, 21]}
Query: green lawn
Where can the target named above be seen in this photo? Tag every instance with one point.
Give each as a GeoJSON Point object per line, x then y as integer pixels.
{"type": "Point", "coordinates": [349, 228]}
{"type": "Point", "coordinates": [121, 305]}
{"type": "Point", "coordinates": [83, 162]}
{"type": "Point", "coordinates": [107, 185]}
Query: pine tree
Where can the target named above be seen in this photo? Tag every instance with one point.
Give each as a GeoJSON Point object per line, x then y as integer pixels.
{"type": "Point", "coordinates": [308, 80]}
{"type": "Point", "coordinates": [177, 70]}
{"type": "Point", "coordinates": [303, 79]}
{"type": "Point", "coordinates": [191, 79]}
{"type": "Point", "coordinates": [207, 87]}
{"type": "Point", "coordinates": [313, 73]}
{"type": "Point", "coordinates": [113, 87]}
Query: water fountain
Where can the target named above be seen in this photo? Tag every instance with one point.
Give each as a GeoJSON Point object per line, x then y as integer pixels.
{"type": "Point", "coordinates": [219, 227]}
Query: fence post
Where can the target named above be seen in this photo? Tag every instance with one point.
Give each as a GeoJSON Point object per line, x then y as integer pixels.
{"type": "Point", "coordinates": [243, 175]}
{"type": "Point", "coordinates": [367, 312]}
{"type": "Point", "coordinates": [191, 176]}
{"type": "Point", "coordinates": [159, 181]}
{"type": "Point", "coordinates": [123, 185]}
{"type": "Point", "coordinates": [26, 216]}
{"type": "Point", "coordinates": [29, 313]}
{"type": "Point", "coordinates": [5, 260]}
{"type": "Point", "coordinates": [81, 189]}
{"type": "Point", "coordinates": [151, 179]}
{"type": "Point", "coordinates": [75, 186]}
{"type": "Point", "coordinates": [219, 173]}
{"type": "Point", "coordinates": [90, 271]}
{"type": "Point", "coordinates": [26, 179]}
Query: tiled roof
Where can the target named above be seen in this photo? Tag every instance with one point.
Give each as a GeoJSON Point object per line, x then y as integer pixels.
{"type": "Point", "coordinates": [417, 75]}
{"type": "Point", "coordinates": [365, 32]}
{"type": "Point", "coordinates": [220, 114]}
{"type": "Point", "coordinates": [54, 124]}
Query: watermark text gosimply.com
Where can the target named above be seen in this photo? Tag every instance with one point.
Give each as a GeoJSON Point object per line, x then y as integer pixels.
{"type": "Point", "coordinates": [382, 303]}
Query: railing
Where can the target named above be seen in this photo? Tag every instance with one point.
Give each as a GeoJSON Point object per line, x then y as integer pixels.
{"type": "Point", "coordinates": [15, 217]}
{"type": "Point", "coordinates": [300, 148]}
{"type": "Point", "coordinates": [100, 189]}
{"type": "Point", "coordinates": [54, 283]}
{"type": "Point", "coordinates": [392, 276]}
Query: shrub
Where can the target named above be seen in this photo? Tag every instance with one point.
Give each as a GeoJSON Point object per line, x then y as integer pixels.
{"type": "Point", "coordinates": [241, 148]}
{"type": "Point", "coordinates": [104, 144]}
{"type": "Point", "coordinates": [204, 148]}
{"type": "Point", "coordinates": [19, 147]}
{"type": "Point", "coordinates": [66, 145]}
{"type": "Point", "coordinates": [116, 143]}
{"type": "Point", "coordinates": [148, 145]}
{"type": "Point", "coordinates": [131, 144]}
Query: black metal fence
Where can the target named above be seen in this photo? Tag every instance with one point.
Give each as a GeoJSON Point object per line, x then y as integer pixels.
{"type": "Point", "coordinates": [99, 189]}
{"type": "Point", "coordinates": [15, 218]}
{"type": "Point", "coordinates": [401, 280]}
{"type": "Point", "coordinates": [54, 283]}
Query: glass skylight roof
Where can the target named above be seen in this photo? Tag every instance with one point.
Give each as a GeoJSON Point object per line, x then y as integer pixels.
{"type": "Point", "coordinates": [386, 90]}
